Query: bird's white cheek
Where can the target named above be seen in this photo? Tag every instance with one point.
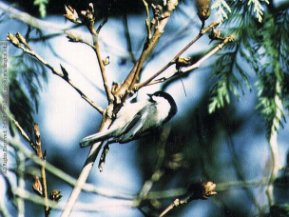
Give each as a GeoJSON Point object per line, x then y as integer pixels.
{"type": "Point", "coordinates": [163, 111]}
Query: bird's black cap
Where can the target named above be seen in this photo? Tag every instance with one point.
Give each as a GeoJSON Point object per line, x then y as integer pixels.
{"type": "Point", "coordinates": [171, 101]}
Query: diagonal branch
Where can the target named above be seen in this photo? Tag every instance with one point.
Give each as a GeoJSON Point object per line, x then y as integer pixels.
{"type": "Point", "coordinates": [148, 48]}
{"type": "Point", "coordinates": [173, 61]}
{"type": "Point", "coordinates": [195, 65]}
{"type": "Point", "coordinates": [62, 74]}
{"type": "Point", "coordinates": [63, 175]}
{"type": "Point", "coordinates": [133, 76]}
{"type": "Point", "coordinates": [93, 153]}
{"type": "Point", "coordinates": [23, 133]}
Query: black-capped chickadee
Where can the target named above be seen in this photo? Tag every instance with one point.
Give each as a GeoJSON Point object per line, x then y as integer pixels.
{"type": "Point", "coordinates": [135, 119]}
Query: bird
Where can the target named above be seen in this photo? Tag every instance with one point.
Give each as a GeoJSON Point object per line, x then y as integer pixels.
{"type": "Point", "coordinates": [136, 119]}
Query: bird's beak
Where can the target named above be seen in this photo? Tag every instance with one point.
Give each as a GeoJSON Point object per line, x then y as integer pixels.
{"type": "Point", "coordinates": [150, 97]}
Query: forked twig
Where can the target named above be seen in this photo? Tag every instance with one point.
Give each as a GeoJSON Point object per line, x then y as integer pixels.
{"type": "Point", "coordinates": [197, 191]}
{"type": "Point", "coordinates": [173, 61]}
{"type": "Point", "coordinates": [195, 65]}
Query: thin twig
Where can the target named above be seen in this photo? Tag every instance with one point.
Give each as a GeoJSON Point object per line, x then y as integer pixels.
{"type": "Point", "coordinates": [81, 180]}
{"type": "Point", "coordinates": [177, 202]}
{"type": "Point", "coordinates": [128, 39]}
{"type": "Point", "coordinates": [64, 176]}
{"type": "Point", "coordinates": [43, 25]}
{"type": "Point", "coordinates": [195, 65]}
{"type": "Point", "coordinates": [95, 34]}
{"type": "Point", "coordinates": [20, 182]}
{"type": "Point", "coordinates": [197, 191]}
{"type": "Point", "coordinates": [173, 61]}
{"type": "Point", "coordinates": [170, 39]}
{"type": "Point", "coordinates": [30, 20]}
{"type": "Point", "coordinates": [158, 172]}
{"type": "Point", "coordinates": [39, 153]}
{"type": "Point", "coordinates": [273, 143]}
{"type": "Point", "coordinates": [22, 132]}
{"type": "Point", "coordinates": [3, 210]}
{"type": "Point", "coordinates": [93, 207]}
{"type": "Point", "coordinates": [61, 74]}
{"type": "Point", "coordinates": [37, 147]}
{"type": "Point", "coordinates": [73, 36]}
{"type": "Point", "coordinates": [103, 157]}
{"type": "Point", "coordinates": [35, 22]}
{"type": "Point", "coordinates": [226, 186]}
{"type": "Point", "coordinates": [148, 22]}
{"type": "Point", "coordinates": [208, 55]}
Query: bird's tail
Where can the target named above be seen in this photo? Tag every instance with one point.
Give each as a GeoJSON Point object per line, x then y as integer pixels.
{"type": "Point", "coordinates": [97, 137]}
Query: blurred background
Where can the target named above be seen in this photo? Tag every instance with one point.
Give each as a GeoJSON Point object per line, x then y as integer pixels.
{"type": "Point", "coordinates": [221, 133]}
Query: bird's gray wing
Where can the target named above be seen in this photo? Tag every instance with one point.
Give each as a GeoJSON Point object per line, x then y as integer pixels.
{"type": "Point", "coordinates": [97, 137]}
{"type": "Point", "coordinates": [133, 128]}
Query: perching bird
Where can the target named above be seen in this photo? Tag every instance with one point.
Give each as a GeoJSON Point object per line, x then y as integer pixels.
{"type": "Point", "coordinates": [135, 119]}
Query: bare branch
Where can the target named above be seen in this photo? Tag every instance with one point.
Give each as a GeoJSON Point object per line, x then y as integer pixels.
{"type": "Point", "coordinates": [93, 153]}
{"type": "Point", "coordinates": [177, 192]}
{"type": "Point", "coordinates": [148, 22]}
{"type": "Point", "coordinates": [79, 206]}
{"type": "Point", "coordinates": [3, 209]}
{"type": "Point", "coordinates": [196, 191]}
{"type": "Point", "coordinates": [40, 155]}
{"type": "Point", "coordinates": [133, 77]}
{"type": "Point", "coordinates": [101, 64]}
{"type": "Point", "coordinates": [158, 172]}
{"type": "Point", "coordinates": [195, 65]}
{"type": "Point", "coordinates": [89, 19]}
{"type": "Point", "coordinates": [128, 39]}
{"type": "Point", "coordinates": [30, 20]}
{"type": "Point", "coordinates": [23, 133]}
{"type": "Point", "coordinates": [37, 147]}
{"type": "Point", "coordinates": [103, 157]}
{"type": "Point", "coordinates": [20, 182]}
{"type": "Point", "coordinates": [173, 61]}
{"type": "Point", "coordinates": [273, 143]}
{"type": "Point", "coordinates": [62, 175]}
{"type": "Point", "coordinates": [55, 71]}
